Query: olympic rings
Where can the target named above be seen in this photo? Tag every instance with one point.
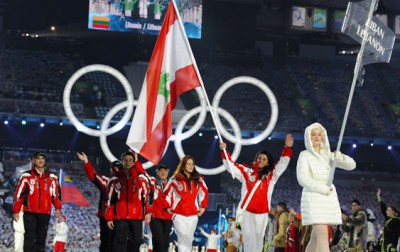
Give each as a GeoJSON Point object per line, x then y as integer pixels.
{"type": "Point", "coordinates": [179, 135]}
{"type": "Point", "coordinates": [272, 101]}
{"type": "Point", "coordinates": [178, 141]}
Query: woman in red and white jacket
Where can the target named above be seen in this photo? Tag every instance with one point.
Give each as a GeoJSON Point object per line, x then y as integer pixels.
{"type": "Point", "coordinates": [255, 216]}
{"type": "Point", "coordinates": [187, 195]}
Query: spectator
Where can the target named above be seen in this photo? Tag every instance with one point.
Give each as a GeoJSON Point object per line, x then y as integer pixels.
{"type": "Point", "coordinates": [232, 242]}
{"type": "Point", "coordinates": [293, 235]}
{"type": "Point", "coordinates": [282, 223]}
{"type": "Point", "coordinates": [60, 239]}
{"type": "Point", "coordinates": [357, 227]}
{"type": "Point", "coordinates": [212, 239]}
{"type": "Point", "coordinates": [371, 237]}
{"type": "Point", "coordinates": [391, 230]}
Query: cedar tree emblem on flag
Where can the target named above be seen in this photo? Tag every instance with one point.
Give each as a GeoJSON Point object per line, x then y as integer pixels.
{"type": "Point", "coordinates": [171, 72]}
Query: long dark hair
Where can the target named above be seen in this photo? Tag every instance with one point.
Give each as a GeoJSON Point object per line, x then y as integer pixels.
{"type": "Point", "coordinates": [194, 175]}
{"type": "Point", "coordinates": [266, 169]}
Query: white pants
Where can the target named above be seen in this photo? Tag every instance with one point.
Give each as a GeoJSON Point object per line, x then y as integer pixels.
{"type": "Point", "coordinates": [253, 230]}
{"type": "Point", "coordinates": [184, 228]}
{"type": "Point", "coordinates": [19, 233]}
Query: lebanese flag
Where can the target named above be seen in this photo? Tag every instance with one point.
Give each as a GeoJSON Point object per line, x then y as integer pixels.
{"type": "Point", "coordinates": [171, 72]}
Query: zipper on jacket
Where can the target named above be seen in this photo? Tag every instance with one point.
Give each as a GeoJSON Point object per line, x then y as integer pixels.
{"type": "Point", "coordinates": [40, 194]}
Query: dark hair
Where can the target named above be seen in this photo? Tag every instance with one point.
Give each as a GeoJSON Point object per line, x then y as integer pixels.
{"type": "Point", "coordinates": [357, 202]}
{"type": "Point", "coordinates": [267, 169]}
{"type": "Point", "coordinates": [283, 205]}
{"type": "Point", "coordinates": [128, 153]}
{"type": "Point", "coordinates": [394, 209]}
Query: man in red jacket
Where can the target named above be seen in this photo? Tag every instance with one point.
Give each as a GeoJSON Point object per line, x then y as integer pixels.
{"type": "Point", "coordinates": [161, 222]}
{"type": "Point", "coordinates": [100, 181]}
{"type": "Point", "coordinates": [36, 190]}
{"type": "Point", "coordinates": [128, 202]}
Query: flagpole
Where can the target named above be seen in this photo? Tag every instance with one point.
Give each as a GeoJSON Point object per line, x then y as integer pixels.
{"type": "Point", "coordinates": [356, 73]}
{"type": "Point", "coordinates": [203, 88]}
{"type": "Point", "coordinates": [60, 178]}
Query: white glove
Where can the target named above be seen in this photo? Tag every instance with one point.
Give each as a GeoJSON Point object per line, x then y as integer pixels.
{"type": "Point", "coordinates": [338, 156]}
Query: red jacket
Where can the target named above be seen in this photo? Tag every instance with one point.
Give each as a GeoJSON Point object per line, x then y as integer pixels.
{"type": "Point", "coordinates": [128, 198]}
{"type": "Point", "coordinates": [160, 203]}
{"type": "Point", "coordinates": [261, 199]}
{"type": "Point", "coordinates": [36, 193]}
{"type": "Point", "coordinates": [184, 196]}
{"type": "Point", "coordinates": [100, 182]}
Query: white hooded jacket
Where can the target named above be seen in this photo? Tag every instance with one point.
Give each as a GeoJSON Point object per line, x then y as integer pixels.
{"type": "Point", "coordinates": [319, 202]}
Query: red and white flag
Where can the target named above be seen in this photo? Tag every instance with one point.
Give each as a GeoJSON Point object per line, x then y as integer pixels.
{"type": "Point", "coordinates": [171, 72]}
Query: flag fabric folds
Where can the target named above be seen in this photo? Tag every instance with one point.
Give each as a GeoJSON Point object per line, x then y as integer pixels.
{"type": "Point", "coordinates": [379, 38]}
{"type": "Point", "coordinates": [171, 72]}
{"type": "Point", "coordinates": [70, 193]}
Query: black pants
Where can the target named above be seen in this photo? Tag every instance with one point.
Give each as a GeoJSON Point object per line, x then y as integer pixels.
{"type": "Point", "coordinates": [124, 230]}
{"type": "Point", "coordinates": [36, 226]}
{"type": "Point", "coordinates": [106, 236]}
{"type": "Point", "coordinates": [160, 230]}
{"type": "Point", "coordinates": [279, 249]}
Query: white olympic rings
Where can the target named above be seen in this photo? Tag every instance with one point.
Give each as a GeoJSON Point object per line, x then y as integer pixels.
{"type": "Point", "coordinates": [178, 135]}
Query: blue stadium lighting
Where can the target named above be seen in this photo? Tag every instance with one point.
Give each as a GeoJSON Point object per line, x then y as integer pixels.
{"type": "Point", "coordinates": [354, 145]}
{"type": "Point", "coordinates": [42, 124]}
{"type": "Point", "coordinates": [97, 126]}
{"type": "Point", "coordinates": [200, 134]}
{"type": "Point", "coordinates": [5, 122]}
{"type": "Point", "coordinates": [215, 137]}
{"type": "Point", "coordinates": [23, 122]}
{"type": "Point", "coordinates": [371, 143]}
{"type": "Point", "coordinates": [389, 147]}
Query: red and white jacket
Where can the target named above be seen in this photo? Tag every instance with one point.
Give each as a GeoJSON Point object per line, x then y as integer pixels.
{"type": "Point", "coordinates": [184, 196]}
{"type": "Point", "coordinates": [35, 193]}
{"type": "Point", "coordinates": [261, 200]}
{"type": "Point", "coordinates": [160, 203]}
{"type": "Point", "coordinates": [100, 182]}
{"type": "Point", "coordinates": [128, 198]}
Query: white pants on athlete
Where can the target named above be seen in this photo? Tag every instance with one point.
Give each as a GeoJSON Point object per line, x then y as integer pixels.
{"type": "Point", "coordinates": [253, 230]}
{"type": "Point", "coordinates": [184, 228]}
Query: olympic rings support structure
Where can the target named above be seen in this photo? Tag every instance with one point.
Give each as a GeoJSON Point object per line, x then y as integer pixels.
{"type": "Point", "coordinates": [179, 134]}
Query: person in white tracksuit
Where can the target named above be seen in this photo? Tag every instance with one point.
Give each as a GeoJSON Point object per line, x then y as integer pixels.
{"type": "Point", "coordinates": [255, 216]}
{"type": "Point", "coordinates": [319, 201]}
{"type": "Point", "coordinates": [60, 239]}
{"type": "Point", "coordinates": [212, 240]}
